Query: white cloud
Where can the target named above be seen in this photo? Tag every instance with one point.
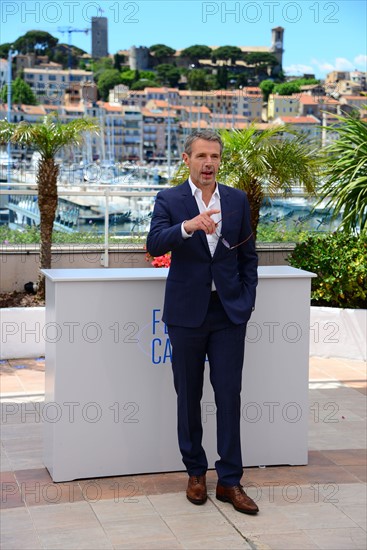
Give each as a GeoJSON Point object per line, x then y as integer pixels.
{"type": "Point", "coordinates": [361, 61]}
{"type": "Point", "coordinates": [298, 68]}
{"type": "Point", "coordinates": [343, 64]}
{"type": "Point", "coordinates": [323, 66]}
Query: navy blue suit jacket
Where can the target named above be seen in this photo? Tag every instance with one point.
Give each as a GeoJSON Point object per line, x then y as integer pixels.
{"type": "Point", "coordinates": [192, 270]}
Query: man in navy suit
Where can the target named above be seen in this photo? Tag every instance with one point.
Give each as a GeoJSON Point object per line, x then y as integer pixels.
{"type": "Point", "coordinates": [210, 294]}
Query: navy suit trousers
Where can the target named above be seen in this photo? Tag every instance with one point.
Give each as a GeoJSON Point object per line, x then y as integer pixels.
{"type": "Point", "coordinates": [223, 342]}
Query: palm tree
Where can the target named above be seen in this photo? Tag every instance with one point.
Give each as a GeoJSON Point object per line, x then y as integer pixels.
{"type": "Point", "coordinates": [345, 187]}
{"type": "Point", "coordinates": [266, 162]}
{"type": "Point", "coordinates": [48, 139]}
{"type": "Point", "coordinates": [263, 163]}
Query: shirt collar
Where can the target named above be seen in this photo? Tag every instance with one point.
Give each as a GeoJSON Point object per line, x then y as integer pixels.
{"type": "Point", "coordinates": [196, 190]}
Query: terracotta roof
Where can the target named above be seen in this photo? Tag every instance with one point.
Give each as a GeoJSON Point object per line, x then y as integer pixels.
{"type": "Point", "coordinates": [50, 108]}
{"type": "Point", "coordinates": [74, 72]}
{"type": "Point", "coordinates": [198, 109]}
{"type": "Point", "coordinates": [230, 117]}
{"type": "Point", "coordinates": [353, 97]}
{"type": "Point", "coordinates": [253, 88]}
{"type": "Point", "coordinates": [74, 108]}
{"type": "Point", "coordinates": [14, 107]}
{"type": "Point", "coordinates": [306, 99]}
{"type": "Point", "coordinates": [195, 124]}
{"type": "Point", "coordinates": [149, 113]}
{"type": "Point", "coordinates": [160, 90]}
{"type": "Point", "coordinates": [204, 93]}
{"type": "Point", "coordinates": [292, 96]}
{"type": "Point", "coordinates": [299, 119]}
{"type": "Point", "coordinates": [33, 109]}
{"type": "Point", "coordinates": [229, 125]}
{"type": "Point", "coordinates": [112, 107]}
{"type": "Point", "coordinates": [159, 103]}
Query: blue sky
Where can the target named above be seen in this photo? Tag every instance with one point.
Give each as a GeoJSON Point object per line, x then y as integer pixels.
{"type": "Point", "coordinates": [319, 36]}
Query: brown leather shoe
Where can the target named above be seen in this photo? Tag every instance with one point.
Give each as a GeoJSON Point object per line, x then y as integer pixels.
{"type": "Point", "coordinates": [196, 489]}
{"type": "Point", "coordinates": [237, 496]}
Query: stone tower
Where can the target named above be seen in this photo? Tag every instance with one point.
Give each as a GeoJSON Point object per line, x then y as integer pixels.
{"type": "Point", "coordinates": [99, 37]}
{"type": "Point", "coordinates": [139, 58]}
{"type": "Point", "coordinates": [276, 48]}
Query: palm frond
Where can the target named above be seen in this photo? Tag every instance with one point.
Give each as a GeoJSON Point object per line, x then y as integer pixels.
{"type": "Point", "coordinates": [345, 187]}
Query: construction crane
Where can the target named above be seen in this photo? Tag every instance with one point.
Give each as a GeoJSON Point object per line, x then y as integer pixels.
{"type": "Point", "coordinates": [70, 30]}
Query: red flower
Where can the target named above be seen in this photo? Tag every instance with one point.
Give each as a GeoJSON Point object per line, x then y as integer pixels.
{"type": "Point", "coordinates": [159, 261]}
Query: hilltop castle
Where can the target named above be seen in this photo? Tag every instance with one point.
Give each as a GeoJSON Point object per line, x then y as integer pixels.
{"type": "Point", "coordinates": [140, 58]}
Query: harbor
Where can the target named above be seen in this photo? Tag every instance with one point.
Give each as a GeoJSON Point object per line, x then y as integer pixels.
{"type": "Point", "coordinates": [118, 198]}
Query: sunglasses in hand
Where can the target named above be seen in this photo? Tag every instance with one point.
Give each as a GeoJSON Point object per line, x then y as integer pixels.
{"type": "Point", "coordinates": [225, 242]}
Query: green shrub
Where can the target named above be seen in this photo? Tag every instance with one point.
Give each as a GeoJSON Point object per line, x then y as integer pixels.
{"type": "Point", "coordinates": [274, 232]}
{"type": "Point", "coordinates": [278, 232]}
{"type": "Point", "coordinates": [31, 235]}
{"type": "Point", "coordinates": [340, 262]}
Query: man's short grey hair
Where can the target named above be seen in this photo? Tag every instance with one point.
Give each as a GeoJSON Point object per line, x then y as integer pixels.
{"type": "Point", "coordinates": [207, 135]}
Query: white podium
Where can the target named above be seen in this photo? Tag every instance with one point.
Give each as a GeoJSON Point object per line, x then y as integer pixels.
{"type": "Point", "coordinates": [110, 404]}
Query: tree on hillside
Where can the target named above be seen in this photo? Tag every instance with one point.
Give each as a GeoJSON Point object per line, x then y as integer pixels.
{"type": "Point", "coordinates": [196, 52]}
{"type": "Point", "coordinates": [262, 62]}
{"type": "Point", "coordinates": [197, 80]}
{"type": "Point", "coordinates": [227, 53]}
{"type": "Point", "coordinates": [345, 187]}
{"type": "Point", "coordinates": [48, 139]}
{"type": "Point", "coordinates": [40, 42]}
{"type": "Point", "coordinates": [143, 83]}
{"type": "Point", "coordinates": [266, 86]}
{"type": "Point", "coordinates": [222, 77]}
{"type": "Point", "coordinates": [168, 74]}
{"type": "Point", "coordinates": [242, 79]}
{"type": "Point", "coordinates": [161, 52]}
{"type": "Point", "coordinates": [60, 54]}
{"type": "Point", "coordinates": [306, 81]}
{"type": "Point", "coordinates": [4, 50]}
{"type": "Point", "coordinates": [21, 92]}
{"type": "Point", "coordinates": [108, 79]}
{"type": "Point", "coordinates": [100, 66]}
{"type": "Point", "coordinates": [129, 76]}
{"type": "Point", "coordinates": [118, 60]}
{"type": "Point", "coordinates": [261, 58]}
{"type": "Point", "coordinates": [287, 88]}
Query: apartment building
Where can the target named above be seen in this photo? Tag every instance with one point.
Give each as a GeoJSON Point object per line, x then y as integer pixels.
{"type": "Point", "coordinates": [3, 72]}
{"type": "Point", "coordinates": [245, 102]}
{"type": "Point", "coordinates": [348, 87]}
{"type": "Point", "coordinates": [359, 77]}
{"type": "Point", "coordinates": [316, 105]}
{"type": "Point", "coordinates": [355, 101]}
{"type": "Point", "coordinates": [283, 105]}
{"type": "Point", "coordinates": [160, 126]}
{"type": "Point", "coordinates": [123, 95]}
{"type": "Point", "coordinates": [168, 94]}
{"type": "Point", "coordinates": [50, 85]}
{"type": "Point", "coordinates": [307, 125]}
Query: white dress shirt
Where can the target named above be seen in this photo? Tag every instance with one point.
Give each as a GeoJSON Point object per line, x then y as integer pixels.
{"type": "Point", "coordinates": [214, 204]}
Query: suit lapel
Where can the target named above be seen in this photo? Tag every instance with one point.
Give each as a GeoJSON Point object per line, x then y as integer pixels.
{"type": "Point", "coordinates": [189, 200]}
{"type": "Point", "coordinates": [226, 208]}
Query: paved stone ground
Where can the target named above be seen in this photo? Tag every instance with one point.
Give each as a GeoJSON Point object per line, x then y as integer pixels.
{"type": "Point", "coordinates": [321, 505]}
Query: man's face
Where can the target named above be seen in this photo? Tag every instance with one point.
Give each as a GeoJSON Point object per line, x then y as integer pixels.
{"type": "Point", "coordinates": [203, 162]}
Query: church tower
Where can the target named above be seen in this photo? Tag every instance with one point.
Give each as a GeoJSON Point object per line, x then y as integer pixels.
{"type": "Point", "coordinates": [277, 36]}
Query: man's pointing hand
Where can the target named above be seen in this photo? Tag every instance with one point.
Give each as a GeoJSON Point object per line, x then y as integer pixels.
{"type": "Point", "coordinates": [202, 222]}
